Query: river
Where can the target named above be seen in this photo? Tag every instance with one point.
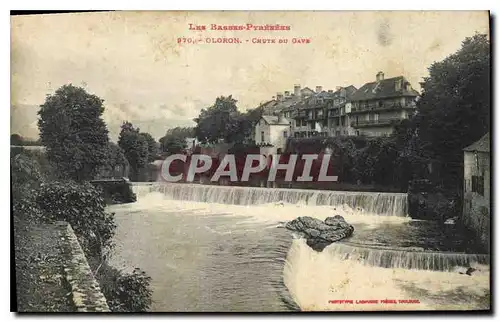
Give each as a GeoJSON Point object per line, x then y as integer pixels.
{"type": "Point", "coordinates": [214, 249]}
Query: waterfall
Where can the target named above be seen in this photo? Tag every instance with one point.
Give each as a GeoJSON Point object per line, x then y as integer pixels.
{"type": "Point", "coordinates": [390, 257]}
{"type": "Point", "coordinates": [375, 203]}
{"type": "Point", "coordinates": [313, 279]}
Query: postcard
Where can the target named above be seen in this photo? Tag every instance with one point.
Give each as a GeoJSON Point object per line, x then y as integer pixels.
{"type": "Point", "coordinates": [251, 161]}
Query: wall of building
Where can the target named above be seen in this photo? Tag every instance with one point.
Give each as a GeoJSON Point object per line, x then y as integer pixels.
{"type": "Point", "coordinates": [273, 134]}
{"type": "Point", "coordinates": [260, 127]}
{"type": "Point", "coordinates": [476, 207]}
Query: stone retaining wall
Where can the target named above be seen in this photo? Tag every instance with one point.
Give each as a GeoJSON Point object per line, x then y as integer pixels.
{"type": "Point", "coordinates": [86, 293]}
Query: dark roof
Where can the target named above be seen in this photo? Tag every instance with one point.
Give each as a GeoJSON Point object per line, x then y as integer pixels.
{"type": "Point", "coordinates": [275, 120]}
{"type": "Point", "coordinates": [349, 91]}
{"type": "Point", "coordinates": [280, 106]}
{"type": "Point", "coordinates": [382, 89]}
{"type": "Point", "coordinates": [483, 145]}
{"type": "Point", "coordinates": [307, 90]}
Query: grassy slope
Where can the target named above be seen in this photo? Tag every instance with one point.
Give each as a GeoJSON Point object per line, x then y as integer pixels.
{"type": "Point", "coordinates": [39, 272]}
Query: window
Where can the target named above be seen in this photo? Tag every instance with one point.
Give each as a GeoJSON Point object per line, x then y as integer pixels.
{"type": "Point", "coordinates": [357, 133]}
{"type": "Point", "coordinates": [478, 184]}
{"type": "Point", "coordinates": [285, 134]}
{"type": "Point", "coordinates": [262, 136]}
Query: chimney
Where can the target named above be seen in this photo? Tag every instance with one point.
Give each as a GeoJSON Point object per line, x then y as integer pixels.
{"type": "Point", "coordinates": [330, 91]}
{"type": "Point", "coordinates": [338, 88]}
{"type": "Point", "coordinates": [296, 89]}
{"type": "Point", "coordinates": [380, 76]}
{"type": "Point", "coordinates": [279, 96]}
{"type": "Point", "coordinates": [287, 93]}
{"type": "Point", "coordinates": [319, 89]}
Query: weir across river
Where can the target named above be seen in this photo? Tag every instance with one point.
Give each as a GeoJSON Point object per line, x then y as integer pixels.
{"type": "Point", "coordinates": [377, 203]}
{"type": "Point", "coordinates": [225, 248]}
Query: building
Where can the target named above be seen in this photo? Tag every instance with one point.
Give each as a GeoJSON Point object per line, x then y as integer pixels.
{"type": "Point", "coordinates": [191, 144]}
{"type": "Point", "coordinates": [272, 130]}
{"type": "Point", "coordinates": [477, 173]}
{"type": "Point", "coordinates": [339, 110]}
{"type": "Point", "coordinates": [284, 102]}
{"type": "Point", "coordinates": [309, 115]}
{"type": "Point", "coordinates": [380, 105]}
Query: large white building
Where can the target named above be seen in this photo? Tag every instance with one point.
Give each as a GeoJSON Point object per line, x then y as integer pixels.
{"type": "Point", "coordinates": [272, 130]}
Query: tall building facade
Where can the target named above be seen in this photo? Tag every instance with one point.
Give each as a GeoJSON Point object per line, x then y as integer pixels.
{"type": "Point", "coordinates": [377, 107]}
{"type": "Point", "coordinates": [372, 110]}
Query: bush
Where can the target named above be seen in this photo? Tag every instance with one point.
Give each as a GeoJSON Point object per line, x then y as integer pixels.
{"type": "Point", "coordinates": [116, 192]}
{"type": "Point", "coordinates": [82, 206]}
{"type": "Point", "coordinates": [125, 292]}
{"type": "Point", "coordinates": [26, 177]}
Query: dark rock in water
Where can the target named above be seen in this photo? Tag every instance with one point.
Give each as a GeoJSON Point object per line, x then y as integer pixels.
{"type": "Point", "coordinates": [320, 234]}
{"type": "Point", "coordinates": [337, 221]}
{"type": "Point", "coordinates": [317, 244]}
{"type": "Point", "coordinates": [312, 232]}
{"type": "Point", "coordinates": [470, 270]}
{"type": "Point", "coordinates": [466, 270]}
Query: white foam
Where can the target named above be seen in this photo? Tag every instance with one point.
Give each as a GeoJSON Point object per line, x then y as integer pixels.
{"type": "Point", "coordinates": [314, 279]}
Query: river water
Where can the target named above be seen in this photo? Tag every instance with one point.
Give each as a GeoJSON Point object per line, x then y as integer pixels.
{"type": "Point", "coordinates": [213, 249]}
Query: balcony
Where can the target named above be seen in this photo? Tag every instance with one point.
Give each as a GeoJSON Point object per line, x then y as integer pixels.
{"type": "Point", "coordinates": [300, 114]}
{"type": "Point", "coordinates": [376, 123]}
{"type": "Point", "coordinates": [384, 107]}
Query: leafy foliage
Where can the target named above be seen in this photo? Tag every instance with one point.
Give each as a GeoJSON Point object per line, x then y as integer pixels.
{"type": "Point", "coordinates": [26, 177]}
{"type": "Point", "coordinates": [16, 139]}
{"type": "Point", "coordinates": [453, 112]}
{"type": "Point", "coordinates": [153, 146]}
{"type": "Point", "coordinates": [135, 147]}
{"type": "Point", "coordinates": [74, 133]}
{"type": "Point", "coordinates": [125, 292]}
{"type": "Point", "coordinates": [116, 163]}
{"type": "Point", "coordinates": [174, 140]}
{"type": "Point", "coordinates": [82, 206]}
{"type": "Point", "coordinates": [116, 192]}
{"type": "Point", "coordinates": [223, 122]}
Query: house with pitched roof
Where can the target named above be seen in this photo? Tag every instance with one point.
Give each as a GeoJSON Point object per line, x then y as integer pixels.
{"type": "Point", "coordinates": [477, 175]}
{"type": "Point", "coordinates": [377, 107]}
{"type": "Point", "coordinates": [272, 130]}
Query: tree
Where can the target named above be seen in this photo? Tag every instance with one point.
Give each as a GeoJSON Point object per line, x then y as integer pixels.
{"type": "Point", "coordinates": [135, 148]}
{"type": "Point", "coordinates": [246, 124]}
{"type": "Point", "coordinates": [116, 162]}
{"type": "Point", "coordinates": [223, 122]}
{"type": "Point", "coordinates": [173, 144]}
{"type": "Point", "coordinates": [16, 139]}
{"type": "Point", "coordinates": [174, 140]}
{"type": "Point", "coordinates": [218, 122]}
{"type": "Point", "coordinates": [454, 109]}
{"type": "Point", "coordinates": [152, 146]}
{"type": "Point", "coordinates": [72, 130]}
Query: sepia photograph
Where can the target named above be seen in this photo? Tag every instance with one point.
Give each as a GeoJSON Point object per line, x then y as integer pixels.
{"type": "Point", "coordinates": [251, 161]}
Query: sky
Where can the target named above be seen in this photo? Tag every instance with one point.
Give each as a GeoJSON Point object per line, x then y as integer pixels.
{"type": "Point", "coordinates": [132, 59]}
